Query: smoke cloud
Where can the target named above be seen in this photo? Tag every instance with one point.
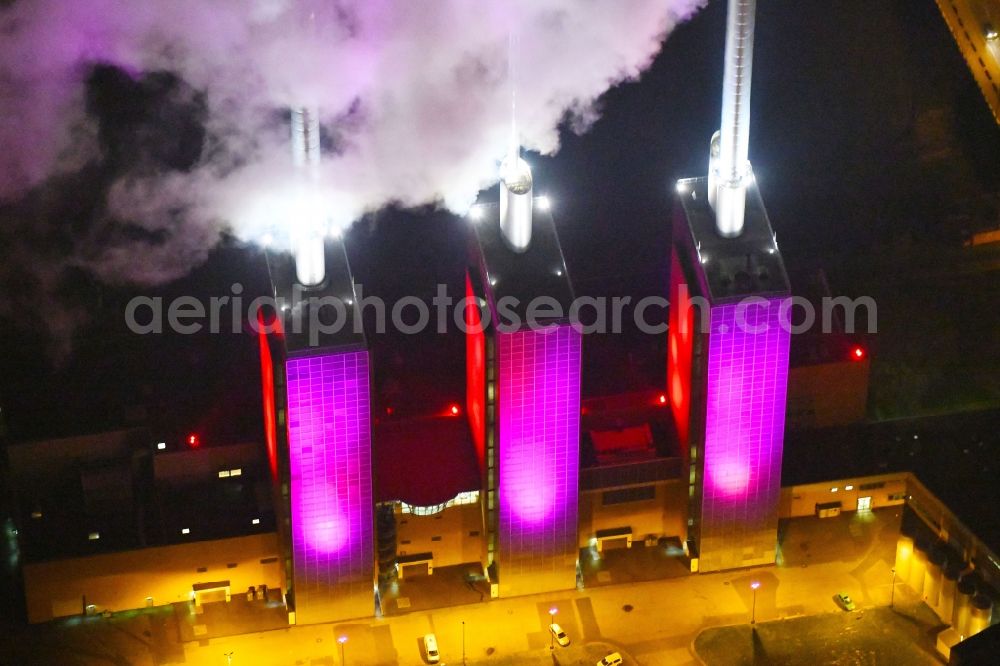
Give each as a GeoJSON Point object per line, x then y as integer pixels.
{"type": "Point", "coordinates": [414, 99]}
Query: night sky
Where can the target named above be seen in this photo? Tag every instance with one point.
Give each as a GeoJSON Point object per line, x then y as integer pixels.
{"type": "Point", "coordinates": [874, 152]}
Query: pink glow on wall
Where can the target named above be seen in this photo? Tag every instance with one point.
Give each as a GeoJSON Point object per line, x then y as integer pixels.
{"type": "Point", "coordinates": [745, 407]}
{"type": "Point", "coordinates": [539, 438]}
{"type": "Point", "coordinates": [329, 439]}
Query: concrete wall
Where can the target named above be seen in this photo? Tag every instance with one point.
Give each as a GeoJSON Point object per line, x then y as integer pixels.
{"type": "Point", "coordinates": [460, 529]}
{"type": "Point", "coordinates": [664, 515]}
{"type": "Point", "coordinates": [122, 581]}
{"type": "Point", "coordinates": [802, 500]}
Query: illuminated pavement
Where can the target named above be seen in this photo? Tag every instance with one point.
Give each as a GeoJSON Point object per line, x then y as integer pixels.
{"type": "Point", "coordinates": [845, 554]}
{"type": "Point", "coordinates": [967, 20]}
{"type": "Point", "coordinates": [899, 637]}
{"type": "Point", "coordinates": [655, 622]}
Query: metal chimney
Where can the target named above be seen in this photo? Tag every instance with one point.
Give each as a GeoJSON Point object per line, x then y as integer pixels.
{"type": "Point", "coordinates": [729, 173]}
{"type": "Point", "coordinates": [515, 202]}
{"type": "Point", "coordinates": [307, 235]}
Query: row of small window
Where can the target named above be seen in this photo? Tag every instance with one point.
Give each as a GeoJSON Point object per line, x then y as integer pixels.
{"type": "Point", "coordinates": [471, 497]}
{"type": "Point", "coordinates": [864, 486]}
{"type": "Point", "coordinates": [407, 542]}
{"type": "Point", "coordinates": [625, 495]}
{"type": "Point", "coordinates": [95, 536]}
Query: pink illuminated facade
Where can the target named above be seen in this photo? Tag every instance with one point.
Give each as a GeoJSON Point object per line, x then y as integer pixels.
{"type": "Point", "coordinates": [538, 458]}
{"type": "Point", "coordinates": [332, 522]}
{"type": "Point", "coordinates": [531, 429]}
{"type": "Point", "coordinates": [745, 394]}
{"type": "Point", "coordinates": [727, 376]}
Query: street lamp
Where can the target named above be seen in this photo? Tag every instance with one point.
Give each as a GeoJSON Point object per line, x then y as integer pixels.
{"type": "Point", "coordinates": [229, 658]}
{"type": "Point", "coordinates": [753, 609]}
{"type": "Point", "coordinates": [463, 642]}
{"type": "Point", "coordinates": [892, 592]}
{"type": "Point", "coordinates": [552, 619]}
{"type": "Point", "coordinates": [342, 640]}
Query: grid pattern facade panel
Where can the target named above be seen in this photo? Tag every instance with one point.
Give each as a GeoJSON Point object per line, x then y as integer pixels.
{"type": "Point", "coordinates": [329, 439]}
{"type": "Point", "coordinates": [744, 432]}
{"type": "Point", "coordinates": [539, 458]}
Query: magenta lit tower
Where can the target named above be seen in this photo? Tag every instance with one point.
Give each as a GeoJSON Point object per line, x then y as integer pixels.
{"type": "Point", "coordinates": [316, 380]}
{"type": "Point", "coordinates": [524, 392]}
{"type": "Point", "coordinates": [727, 362]}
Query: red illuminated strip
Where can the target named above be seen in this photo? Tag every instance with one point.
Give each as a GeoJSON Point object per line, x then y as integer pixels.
{"type": "Point", "coordinates": [680, 341]}
{"type": "Point", "coordinates": [267, 386]}
{"type": "Point", "coordinates": [475, 368]}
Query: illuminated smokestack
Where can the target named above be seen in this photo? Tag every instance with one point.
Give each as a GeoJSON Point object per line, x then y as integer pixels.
{"type": "Point", "coordinates": [729, 172]}
{"type": "Point", "coordinates": [515, 201]}
{"type": "Point", "coordinates": [515, 174]}
{"type": "Point", "coordinates": [307, 234]}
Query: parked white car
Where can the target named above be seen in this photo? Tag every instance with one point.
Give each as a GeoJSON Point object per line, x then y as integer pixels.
{"type": "Point", "coordinates": [559, 634]}
{"type": "Point", "coordinates": [431, 649]}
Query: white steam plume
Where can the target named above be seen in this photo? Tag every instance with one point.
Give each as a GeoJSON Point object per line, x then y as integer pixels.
{"type": "Point", "coordinates": [413, 93]}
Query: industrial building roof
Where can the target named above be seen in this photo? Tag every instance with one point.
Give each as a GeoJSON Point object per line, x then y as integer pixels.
{"type": "Point", "coordinates": [424, 460]}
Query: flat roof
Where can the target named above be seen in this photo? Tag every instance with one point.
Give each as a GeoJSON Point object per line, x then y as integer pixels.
{"type": "Point", "coordinates": [539, 271]}
{"type": "Point", "coordinates": [748, 264]}
{"type": "Point", "coordinates": [304, 304]}
{"type": "Point", "coordinates": [953, 455]}
{"type": "Point", "coordinates": [424, 461]}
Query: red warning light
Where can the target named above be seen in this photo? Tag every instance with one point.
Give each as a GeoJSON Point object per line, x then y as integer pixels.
{"type": "Point", "coordinates": [858, 353]}
{"type": "Point", "coordinates": [194, 441]}
{"type": "Point", "coordinates": [454, 410]}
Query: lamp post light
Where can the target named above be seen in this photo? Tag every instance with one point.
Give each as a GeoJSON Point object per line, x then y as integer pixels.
{"type": "Point", "coordinates": [552, 619]}
{"type": "Point", "coordinates": [229, 658]}
{"type": "Point", "coordinates": [342, 640]}
{"type": "Point", "coordinates": [892, 590]}
{"type": "Point", "coordinates": [463, 642]}
{"type": "Point", "coordinates": [753, 609]}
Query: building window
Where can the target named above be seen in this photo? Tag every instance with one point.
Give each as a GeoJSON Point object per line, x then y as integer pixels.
{"type": "Point", "coordinates": [94, 536]}
{"type": "Point", "coordinates": [895, 497]}
{"type": "Point", "coordinates": [435, 538]}
{"type": "Point", "coordinates": [269, 560]}
{"type": "Point", "coordinates": [471, 497]}
{"type": "Point", "coordinates": [474, 533]}
{"type": "Point", "coordinates": [640, 494]}
{"type": "Point", "coordinates": [875, 485]}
